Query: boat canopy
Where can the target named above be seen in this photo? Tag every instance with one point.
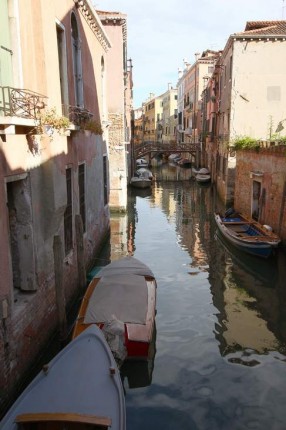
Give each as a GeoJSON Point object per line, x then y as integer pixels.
{"type": "Point", "coordinates": [125, 266]}
{"type": "Point", "coordinates": [120, 296]}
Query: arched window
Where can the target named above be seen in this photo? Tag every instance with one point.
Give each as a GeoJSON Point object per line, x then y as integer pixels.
{"type": "Point", "coordinates": [103, 92]}
{"type": "Point", "coordinates": [77, 64]}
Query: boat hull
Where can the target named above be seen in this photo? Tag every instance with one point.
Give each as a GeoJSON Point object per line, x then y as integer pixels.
{"type": "Point", "coordinates": [140, 183]}
{"type": "Point", "coordinates": [202, 178]}
{"type": "Point", "coordinates": [246, 236]}
{"type": "Point", "coordinates": [73, 389]}
{"type": "Point", "coordinates": [138, 334]}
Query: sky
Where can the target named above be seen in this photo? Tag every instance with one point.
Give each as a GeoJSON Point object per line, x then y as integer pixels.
{"type": "Point", "coordinates": [162, 33]}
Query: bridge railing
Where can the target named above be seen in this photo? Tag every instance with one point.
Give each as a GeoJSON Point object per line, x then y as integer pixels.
{"type": "Point", "coordinates": [147, 147]}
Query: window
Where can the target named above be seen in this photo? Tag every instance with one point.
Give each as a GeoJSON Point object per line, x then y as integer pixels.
{"type": "Point", "coordinates": [6, 45]}
{"type": "Point", "coordinates": [77, 65]}
{"type": "Point", "coordinates": [224, 167]}
{"type": "Point", "coordinates": [68, 215]}
{"type": "Point", "coordinates": [62, 63]}
{"type": "Point", "coordinates": [105, 180]}
{"type": "Point", "coordinates": [81, 187]}
{"type": "Point", "coordinates": [230, 68]}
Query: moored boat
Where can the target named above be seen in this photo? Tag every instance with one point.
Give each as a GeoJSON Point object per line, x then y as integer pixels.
{"type": "Point", "coordinates": [144, 172]}
{"type": "Point", "coordinates": [201, 171]}
{"type": "Point", "coordinates": [247, 235]}
{"type": "Point", "coordinates": [202, 178]}
{"type": "Point", "coordinates": [140, 182]}
{"type": "Point", "coordinates": [142, 162]}
{"type": "Point", "coordinates": [121, 300]}
{"type": "Point", "coordinates": [185, 162]}
{"type": "Point", "coordinates": [73, 390]}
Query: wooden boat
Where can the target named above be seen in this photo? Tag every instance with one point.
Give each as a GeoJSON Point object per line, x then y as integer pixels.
{"type": "Point", "coordinates": [121, 300]}
{"type": "Point", "coordinates": [140, 182]}
{"type": "Point", "coordinates": [173, 157]}
{"type": "Point", "coordinates": [247, 235]}
{"type": "Point", "coordinates": [201, 171]}
{"type": "Point", "coordinates": [142, 162]}
{"type": "Point", "coordinates": [143, 171]}
{"type": "Point", "coordinates": [185, 162]}
{"type": "Point", "coordinates": [73, 391]}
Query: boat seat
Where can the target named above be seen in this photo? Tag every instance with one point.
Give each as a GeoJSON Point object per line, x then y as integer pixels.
{"type": "Point", "coordinates": [235, 222]}
{"type": "Point", "coordinates": [56, 421]}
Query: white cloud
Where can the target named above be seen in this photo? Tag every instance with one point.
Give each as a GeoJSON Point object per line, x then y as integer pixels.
{"type": "Point", "coordinates": [161, 34]}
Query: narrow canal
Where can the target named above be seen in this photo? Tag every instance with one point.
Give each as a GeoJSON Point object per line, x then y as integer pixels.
{"type": "Point", "coordinates": [219, 360]}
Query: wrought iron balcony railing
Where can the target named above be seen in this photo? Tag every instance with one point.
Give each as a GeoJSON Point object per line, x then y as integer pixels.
{"type": "Point", "coordinates": [77, 115]}
{"type": "Point", "coordinates": [20, 102]}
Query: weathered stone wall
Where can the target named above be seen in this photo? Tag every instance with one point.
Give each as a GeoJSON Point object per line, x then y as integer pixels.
{"type": "Point", "coordinates": [117, 164]}
{"type": "Point", "coordinates": [267, 166]}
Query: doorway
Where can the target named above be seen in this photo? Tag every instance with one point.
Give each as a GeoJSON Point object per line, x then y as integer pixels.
{"type": "Point", "coordinates": [256, 192]}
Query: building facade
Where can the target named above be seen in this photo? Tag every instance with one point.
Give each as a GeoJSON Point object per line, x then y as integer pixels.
{"type": "Point", "coordinates": [169, 120]}
{"type": "Point", "coordinates": [119, 106]}
{"type": "Point", "coordinates": [153, 109]}
{"type": "Point", "coordinates": [56, 149]}
{"type": "Point", "coordinates": [191, 83]}
{"type": "Point", "coordinates": [261, 194]}
{"type": "Point", "coordinates": [247, 91]}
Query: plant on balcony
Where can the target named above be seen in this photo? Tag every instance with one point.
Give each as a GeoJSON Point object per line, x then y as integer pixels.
{"type": "Point", "coordinates": [245, 142]}
{"type": "Point", "coordinates": [49, 120]}
{"type": "Point", "coordinates": [92, 126]}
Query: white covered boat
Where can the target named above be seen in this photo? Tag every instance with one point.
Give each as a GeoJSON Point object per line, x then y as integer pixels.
{"type": "Point", "coordinates": [121, 300]}
{"type": "Point", "coordinates": [202, 178]}
{"type": "Point", "coordinates": [79, 389]}
{"type": "Point", "coordinates": [140, 182]}
{"type": "Point", "coordinates": [141, 162]}
{"type": "Point", "coordinates": [143, 171]}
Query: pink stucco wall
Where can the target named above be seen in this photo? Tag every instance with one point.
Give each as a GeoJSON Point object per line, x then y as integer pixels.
{"type": "Point", "coordinates": [271, 166]}
{"type": "Point", "coordinates": [32, 316]}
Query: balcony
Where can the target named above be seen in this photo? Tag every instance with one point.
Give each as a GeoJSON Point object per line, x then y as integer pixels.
{"type": "Point", "coordinates": [21, 107]}
{"type": "Point", "coordinates": [20, 104]}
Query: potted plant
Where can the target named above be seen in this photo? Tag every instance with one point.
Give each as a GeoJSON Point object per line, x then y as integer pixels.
{"type": "Point", "coordinates": [49, 121]}
{"type": "Point", "coordinates": [92, 126]}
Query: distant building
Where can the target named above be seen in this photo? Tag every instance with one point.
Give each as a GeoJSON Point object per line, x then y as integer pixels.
{"type": "Point", "coordinates": [169, 115]}
{"type": "Point", "coordinates": [138, 126]}
{"type": "Point", "coordinates": [119, 105]}
{"type": "Point", "coordinates": [190, 85]}
{"type": "Point", "coordinates": [153, 108]}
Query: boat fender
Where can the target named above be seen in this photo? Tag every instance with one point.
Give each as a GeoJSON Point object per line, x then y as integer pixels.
{"type": "Point", "coordinates": [114, 333]}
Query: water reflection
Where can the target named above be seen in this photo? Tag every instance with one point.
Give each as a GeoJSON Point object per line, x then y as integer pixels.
{"type": "Point", "coordinates": [245, 294]}
{"type": "Point", "coordinates": [137, 373]}
{"type": "Point", "coordinates": [221, 324]}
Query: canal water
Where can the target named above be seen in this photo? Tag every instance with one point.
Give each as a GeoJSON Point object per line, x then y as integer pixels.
{"type": "Point", "coordinates": [218, 359]}
{"type": "Point", "coordinates": [219, 356]}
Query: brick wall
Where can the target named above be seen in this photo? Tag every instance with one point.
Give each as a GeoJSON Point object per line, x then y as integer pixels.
{"type": "Point", "coordinates": [267, 166]}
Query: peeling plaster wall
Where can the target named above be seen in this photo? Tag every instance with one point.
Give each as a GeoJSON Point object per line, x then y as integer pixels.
{"type": "Point", "coordinates": [259, 88]}
{"type": "Point", "coordinates": [271, 165]}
